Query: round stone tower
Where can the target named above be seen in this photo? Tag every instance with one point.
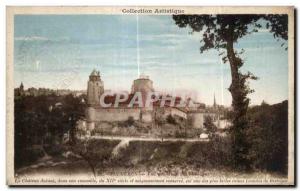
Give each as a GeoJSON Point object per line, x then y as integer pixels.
{"type": "Point", "coordinates": [142, 84]}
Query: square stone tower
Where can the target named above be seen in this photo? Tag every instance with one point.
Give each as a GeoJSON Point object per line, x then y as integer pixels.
{"type": "Point", "coordinates": [95, 88]}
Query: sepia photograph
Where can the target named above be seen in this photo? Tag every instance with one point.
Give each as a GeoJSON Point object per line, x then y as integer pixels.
{"type": "Point", "coordinates": [150, 96]}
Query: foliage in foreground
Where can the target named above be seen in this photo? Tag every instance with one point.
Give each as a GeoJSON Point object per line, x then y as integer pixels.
{"type": "Point", "coordinates": [268, 136]}
{"type": "Point", "coordinates": [40, 125]}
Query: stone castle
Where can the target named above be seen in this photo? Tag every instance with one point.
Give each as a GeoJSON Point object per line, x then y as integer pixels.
{"type": "Point", "coordinates": [95, 113]}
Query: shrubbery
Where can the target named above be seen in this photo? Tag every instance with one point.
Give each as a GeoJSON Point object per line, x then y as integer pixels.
{"type": "Point", "coordinates": [209, 126]}
{"type": "Point", "coordinates": [210, 155]}
{"type": "Point", "coordinates": [171, 120]}
{"type": "Point", "coordinates": [127, 123]}
{"type": "Point", "coordinates": [38, 123]}
{"type": "Point", "coordinates": [179, 134]}
{"type": "Point", "coordinates": [268, 137]}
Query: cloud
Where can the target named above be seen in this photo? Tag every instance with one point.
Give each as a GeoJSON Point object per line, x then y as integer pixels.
{"type": "Point", "coordinates": [43, 39]}
{"type": "Point", "coordinates": [261, 48]}
{"type": "Point", "coordinates": [31, 38]}
{"type": "Point", "coordinates": [168, 38]}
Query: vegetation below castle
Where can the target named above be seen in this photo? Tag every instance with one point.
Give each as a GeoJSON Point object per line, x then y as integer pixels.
{"type": "Point", "coordinates": [171, 128]}
{"type": "Point", "coordinates": [40, 130]}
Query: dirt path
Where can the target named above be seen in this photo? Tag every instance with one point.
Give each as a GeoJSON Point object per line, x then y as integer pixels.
{"type": "Point", "coordinates": [128, 139]}
{"type": "Point", "coordinates": [123, 144]}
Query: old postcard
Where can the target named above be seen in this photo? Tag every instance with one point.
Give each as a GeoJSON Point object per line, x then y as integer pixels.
{"type": "Point", "coordinates": [150, 96]}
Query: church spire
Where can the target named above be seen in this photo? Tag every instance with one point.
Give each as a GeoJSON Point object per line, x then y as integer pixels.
{"type": "Point", "coordinates": [215, 103]}
{"type": "Point", "coordinates": [21, 86]}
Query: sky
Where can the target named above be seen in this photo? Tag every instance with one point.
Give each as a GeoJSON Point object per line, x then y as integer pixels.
{"type": "Point", "coordinates": [60, 51]}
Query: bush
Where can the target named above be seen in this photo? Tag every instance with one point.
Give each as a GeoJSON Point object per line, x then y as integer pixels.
{"type": "Point", "coordinates": [129, 122]}
{"type": "Point", "coordinates": [180, 134]}
{"type": "Point", "coordinates": [268, 136]}
{"type": "Point", "coordinates": [95, 152]}
{"type": "Point", "coordinates": [171, 120]}
{"type": "Point", "coordinates": [208, 124]}
{"type": "Point", "coordinates": [213, 154]}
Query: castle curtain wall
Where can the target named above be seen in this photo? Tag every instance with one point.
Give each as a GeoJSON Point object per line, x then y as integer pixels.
{"type": "Point", "coordinates": [114, 114]}
{"type": "Point", "coordinates": [96, 113]}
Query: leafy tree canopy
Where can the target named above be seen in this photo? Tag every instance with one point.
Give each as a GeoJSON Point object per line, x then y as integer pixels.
{"type": "Point", "coordinates": [218, 30]}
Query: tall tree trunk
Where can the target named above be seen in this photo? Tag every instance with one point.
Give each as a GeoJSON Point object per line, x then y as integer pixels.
{"type": "Point", "coordinates": [240, 103]}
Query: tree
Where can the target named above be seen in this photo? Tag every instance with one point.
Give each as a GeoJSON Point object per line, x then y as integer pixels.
{"type": "Point", "coordinates": [171, 120]}
{"type": "Point", "coordinates": [159, 120]}
{"type": "Point", "coordinates": [210, 127]}
{"type": "Point", "coordinates": [74, 111]}
{"type": "Point", "coordinates": [37, 125]}
{"type": "Point", "coordinates": [221, 32]}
